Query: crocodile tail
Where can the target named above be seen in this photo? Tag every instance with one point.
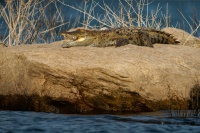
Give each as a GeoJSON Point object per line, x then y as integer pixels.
{"type": "Point", "coordinates": [162, 37]}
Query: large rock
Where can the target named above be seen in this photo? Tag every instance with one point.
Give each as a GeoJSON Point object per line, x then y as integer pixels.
{"type": "Point", "coordinates": [97, 80]}
{"type": "Point", "coordinates": [185, 38]}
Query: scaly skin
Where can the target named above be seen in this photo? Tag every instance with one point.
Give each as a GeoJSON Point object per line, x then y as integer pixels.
{"type": "Point", "coordinates": [116, 37]}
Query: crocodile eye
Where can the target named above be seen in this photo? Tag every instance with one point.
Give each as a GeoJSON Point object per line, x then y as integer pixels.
{"type": "Point", "coordinates": [74, 37]}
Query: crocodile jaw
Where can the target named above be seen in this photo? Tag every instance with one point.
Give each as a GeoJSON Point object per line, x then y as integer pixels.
{"type": "Point", "coordinates": [80, 39]}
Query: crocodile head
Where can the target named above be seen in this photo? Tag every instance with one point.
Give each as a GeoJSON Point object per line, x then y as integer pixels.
{"type": "Point", "coordinates": [96, 38]}
{"type": "Point", "coordinates": [77, 34]}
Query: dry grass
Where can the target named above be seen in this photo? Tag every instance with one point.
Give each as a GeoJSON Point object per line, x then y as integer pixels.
{"type": "Point", "coordinates": [128, 14]}
{"type": "Point", "coordinates": [31, 21]}
{"type": "Point", "coordinates": [125, 15]}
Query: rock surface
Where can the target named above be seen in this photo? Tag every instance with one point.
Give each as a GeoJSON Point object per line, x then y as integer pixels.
{"type": "Point", "coordinates": [185, 38]}
{"type": "Point", "coordinates": [95, 80]}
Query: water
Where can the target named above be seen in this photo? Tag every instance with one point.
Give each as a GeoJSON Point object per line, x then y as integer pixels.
{"type": "Point", "coordinates": [32, 122]}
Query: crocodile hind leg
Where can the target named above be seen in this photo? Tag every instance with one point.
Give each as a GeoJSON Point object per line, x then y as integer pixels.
{"type": "Point", "coordinates": [145, 40]}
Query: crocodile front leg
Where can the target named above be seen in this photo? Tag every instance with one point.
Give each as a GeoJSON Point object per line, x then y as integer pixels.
{"type": "Point", "coordinates": [145, 40]}
{"type": "Point", "coordinates": [117, 42]}
{"type": "Point", "coordinates": [121, 42]}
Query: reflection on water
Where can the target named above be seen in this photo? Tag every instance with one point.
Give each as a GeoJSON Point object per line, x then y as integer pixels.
{"type": "Point", "coordinates": [18, 122]}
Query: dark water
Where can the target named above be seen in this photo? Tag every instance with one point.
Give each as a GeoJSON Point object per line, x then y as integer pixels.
{"type": "Point", "coordinates": [31, 122]}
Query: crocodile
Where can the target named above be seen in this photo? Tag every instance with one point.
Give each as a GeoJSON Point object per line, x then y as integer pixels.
{"type": "Point", "coordinates": [116, 37]}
